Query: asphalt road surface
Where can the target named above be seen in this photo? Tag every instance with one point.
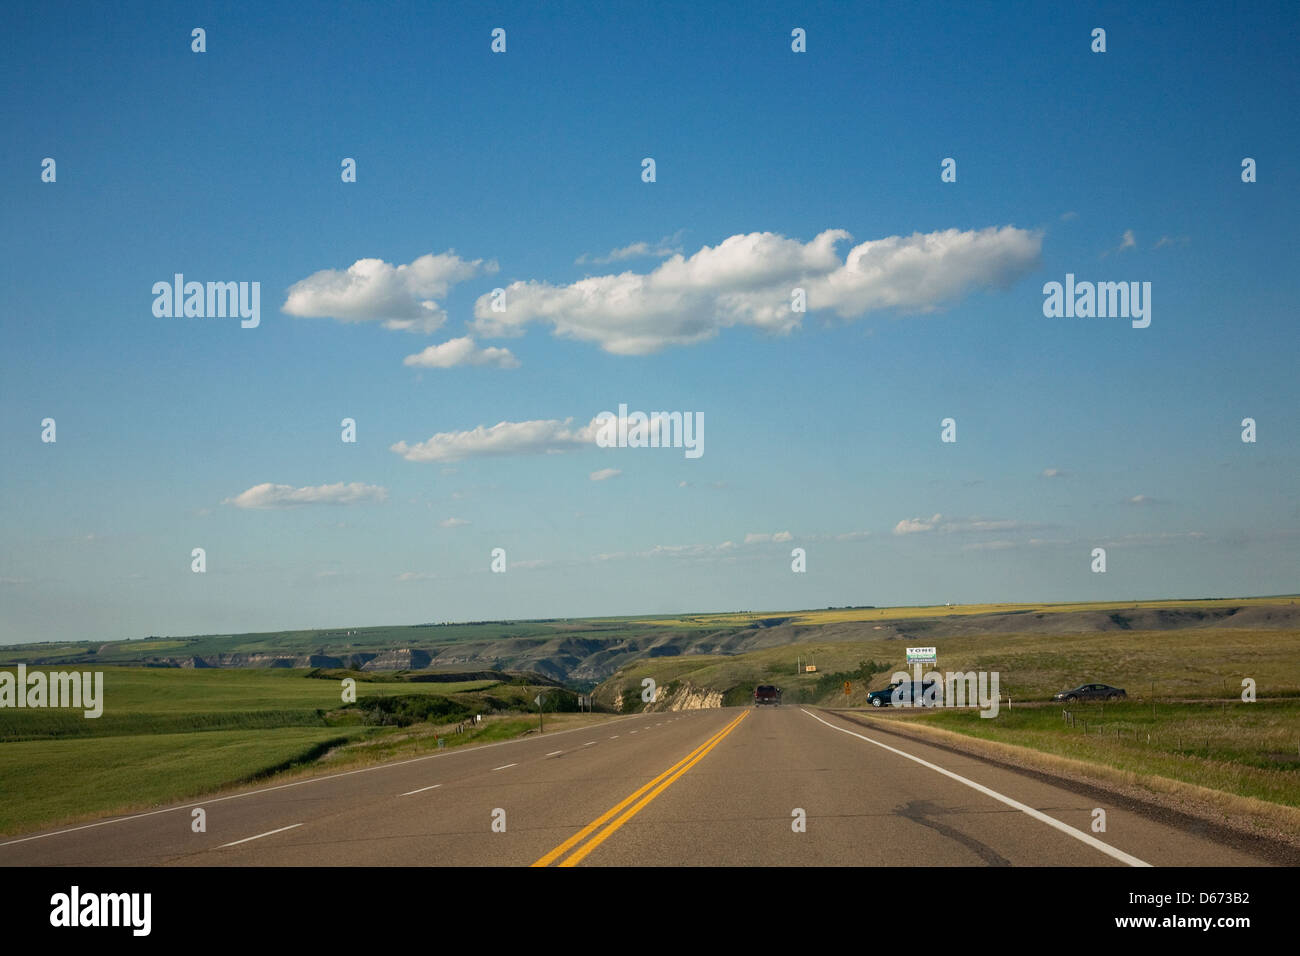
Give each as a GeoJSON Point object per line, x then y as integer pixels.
{"type": "Point", "coordinates": [735, 786]}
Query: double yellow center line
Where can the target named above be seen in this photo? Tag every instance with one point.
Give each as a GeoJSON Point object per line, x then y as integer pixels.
{"type": "Point", "coordinates": [620, 813]}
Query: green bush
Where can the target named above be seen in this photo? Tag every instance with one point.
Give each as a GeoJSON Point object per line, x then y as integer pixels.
{"type": "Point", "coordinates": [404, 710]}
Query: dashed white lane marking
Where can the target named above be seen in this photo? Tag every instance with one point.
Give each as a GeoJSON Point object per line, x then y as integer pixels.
{"type": "Point", "coordinates": [554, 752]}
{"type": "Point", "coordinates": [589, 743]}
{"type": "Point", "coordinates": [422, 789]}
{"type": "Point", "coordinates": [259, 836]}
{"type": "Point", "coordinates": [506, 767]}
{"type": "Point", "coordinates": [1079, 835]}
{"type": "Point", "coordinates": [285, 786]}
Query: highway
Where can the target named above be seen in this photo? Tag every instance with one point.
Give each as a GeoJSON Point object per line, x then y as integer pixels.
{"type": "Point", "coordinates": [712, 787]}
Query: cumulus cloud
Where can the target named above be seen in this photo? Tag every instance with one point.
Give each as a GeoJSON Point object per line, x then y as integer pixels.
{"type": "Point", "coordinates": [540, 437]}
{"type": "Point", "coordinates": [461, 351]}
{"type": "Point", "coordinates": [402, 297]}
{"type": "Point", "coordinates": [747, 280]}
{"type": "Point", "coordinates": [605, 473]}
{"type": "Point", "coordinates": [778, 537]}
{"type": "Point", "coordinates": [267, 495]}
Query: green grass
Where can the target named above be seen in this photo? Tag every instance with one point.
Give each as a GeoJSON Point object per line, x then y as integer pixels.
{"type": "Point", "coordinates": [1249, 749]}
{"type": "Point", "coordinates": [51, 780]}
{"type": "Point", "coordinates": [169, 700]}
{"type": "Point", "coordinates": [168, 734]}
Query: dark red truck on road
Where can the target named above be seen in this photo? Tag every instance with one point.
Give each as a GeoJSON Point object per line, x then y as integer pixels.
{"type": "Point", "coordinates": [767, 694]}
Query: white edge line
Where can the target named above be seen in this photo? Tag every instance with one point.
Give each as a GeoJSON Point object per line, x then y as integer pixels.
{"type": "Point", "coordinates": [298, 783]}
{"type": "Point", "coordinates": [259, 836]}
{"type": "Point", "coordinates": [422, 789]}
{"type": "Point", "coordinates": [1087, 838]}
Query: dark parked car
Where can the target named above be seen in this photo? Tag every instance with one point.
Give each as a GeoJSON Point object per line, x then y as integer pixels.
{"type": "Point", "coordinates": [1092, 692]}
{"type": "Point", "coordinates": [767, 694]}
{"type": "Point", "coordinates": [909, 693]}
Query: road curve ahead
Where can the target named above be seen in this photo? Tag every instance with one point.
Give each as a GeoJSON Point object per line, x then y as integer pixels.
{"type": "Point", "coordinates": [733, 787]}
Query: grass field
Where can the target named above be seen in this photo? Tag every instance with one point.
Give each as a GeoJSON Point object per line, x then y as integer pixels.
{"type": "Point", "coordinates": [142, 700]}
{"type": "Point", "coordinates": [49, 781]}
{"type": "Point", "coordinates": [169, 734]}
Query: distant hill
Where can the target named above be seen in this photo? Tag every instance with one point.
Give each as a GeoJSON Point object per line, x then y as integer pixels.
{"type": "Point", "coordinates": [585, 651]}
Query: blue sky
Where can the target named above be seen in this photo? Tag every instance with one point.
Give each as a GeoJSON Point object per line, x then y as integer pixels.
{"type": "Point", "coordinates": [522, 171]}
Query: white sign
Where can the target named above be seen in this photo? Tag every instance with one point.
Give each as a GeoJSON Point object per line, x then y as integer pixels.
{"type": "Point", "coordinates": [922, 655]}
{"type": "Point", "coordinates": [538, 700]}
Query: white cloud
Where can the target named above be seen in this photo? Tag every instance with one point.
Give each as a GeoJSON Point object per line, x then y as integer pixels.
{"type": "Point", "coordinates": [972, 525]}
{"type": "Point", "coordinates": [1141, 500]}
{"type": "Point", "coordinates": [1054, 473]}
{"type": "Point", "coordinates": [604, 474]}
{"type": "Point", "coordinates": [778, 538]}
{"type": "Point", "coordinates": [747, 280]}
{"type": "Point", "coordinates": [1172, 241]}
{"type": "Point", "coordinates": [504, 438]}
{"type": "Point", "coordinates": [452, 523]}
{"type": "Point", "coordinates": [637, 250]}
{"type": "Point", "coordinates": [917, 525]}
{"type": "Point", "coordinates": [461, 351]}
{"type": "Point", "coordinates": [1126, 241]}
{"type": "Point", "coordinates": [372, 290]}
{"type": "Point", "coordinates": [268, 495]}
